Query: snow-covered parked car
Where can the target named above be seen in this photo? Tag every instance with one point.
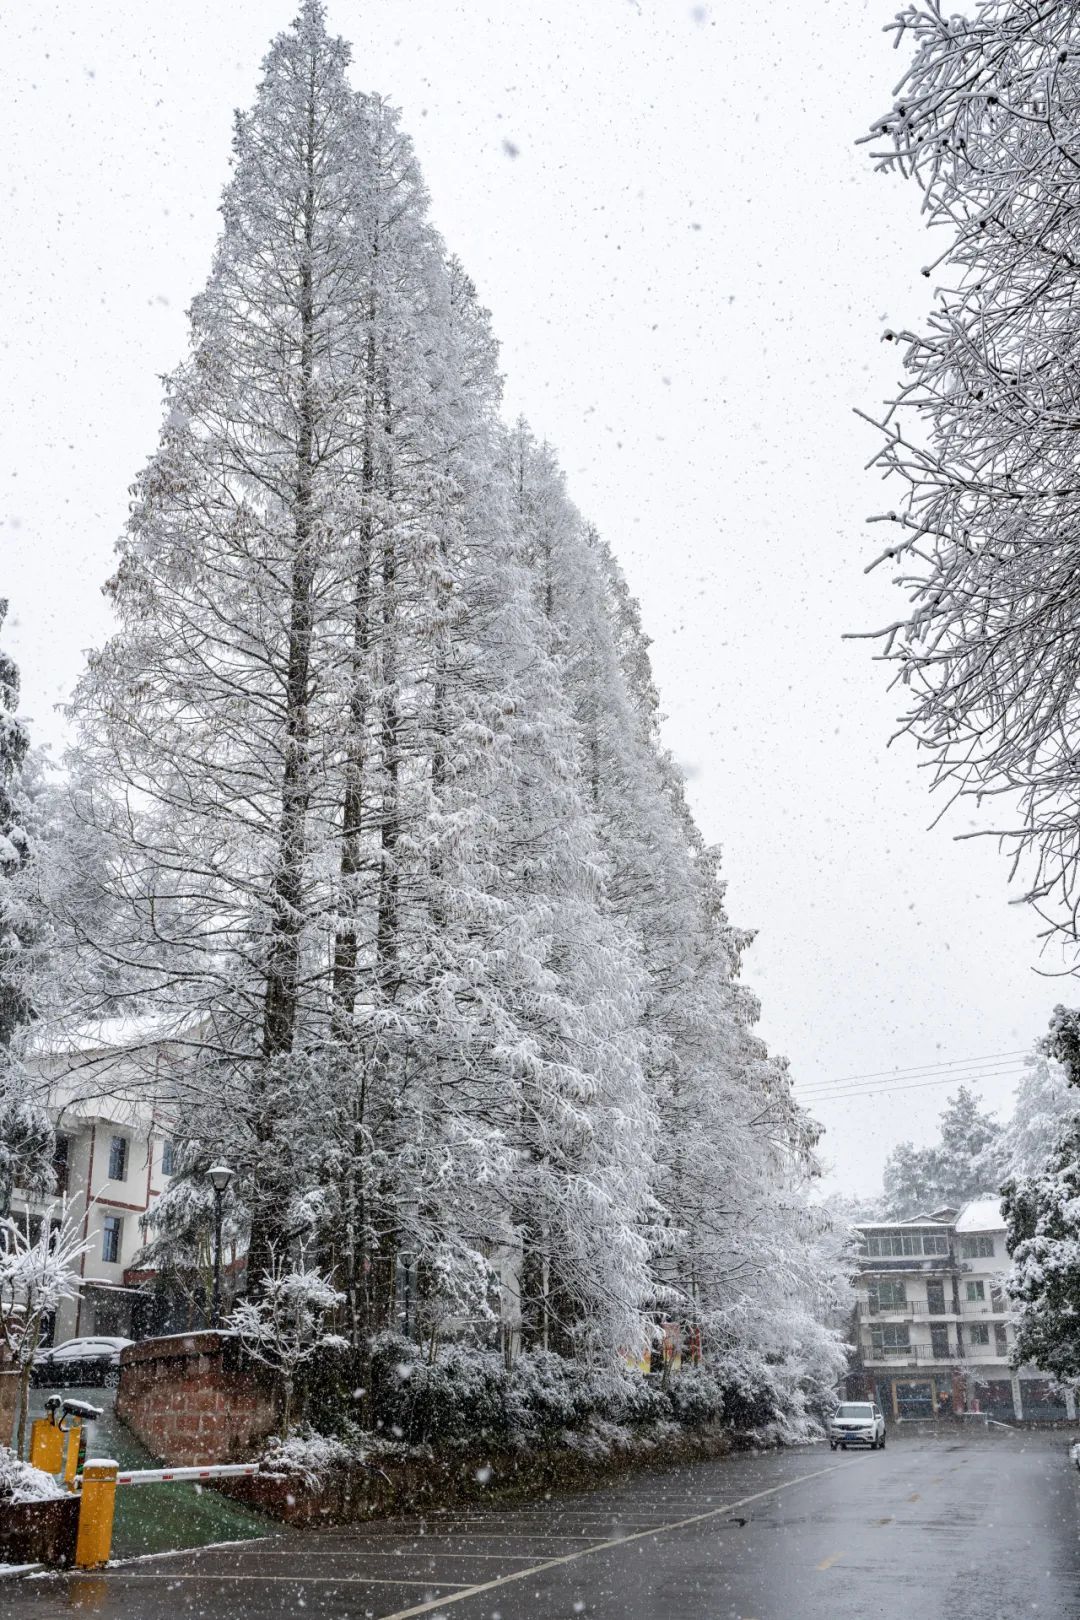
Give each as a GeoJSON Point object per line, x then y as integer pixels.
{"type": "Point", "coordinates": [94, 1361]}
{"type": "Point", "coordinates": [857, 1423]}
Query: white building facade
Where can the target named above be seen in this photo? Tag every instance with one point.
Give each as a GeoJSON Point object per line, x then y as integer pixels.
{"type": "Point", "coordinates": [113, 1158]}
{"type": "Point", "coordinates": [932, 1328]}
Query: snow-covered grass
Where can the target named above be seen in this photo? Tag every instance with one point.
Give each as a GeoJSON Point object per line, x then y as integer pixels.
{"type": "Point", "coordinates": [20, 1482]}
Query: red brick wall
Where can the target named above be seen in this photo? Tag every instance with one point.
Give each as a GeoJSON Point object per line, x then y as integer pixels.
{"type": "Point", "coordinates": [196, 1398]}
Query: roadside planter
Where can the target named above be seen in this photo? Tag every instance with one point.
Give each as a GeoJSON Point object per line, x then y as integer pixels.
{"type": "Point", "coordinates": [39, 1532]}
{"type": "Point", "coordinates": [38, 1519]}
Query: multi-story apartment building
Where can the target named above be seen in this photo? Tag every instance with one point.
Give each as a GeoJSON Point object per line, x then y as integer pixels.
{"type": "Point", "coordinates": [932, 1321]}
{"type": "Point", "coordinates": [113, 1158]}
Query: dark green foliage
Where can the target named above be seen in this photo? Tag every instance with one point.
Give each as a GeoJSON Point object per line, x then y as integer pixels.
{"type": "Point", "coordinates": [26, 1135]}
{"type": "Point", "coordinates": [1063, 1042]}
{"type": "Point", "coordinates": [1043, 1219]}
{"type": "Point", "coordinates": [14, 851]}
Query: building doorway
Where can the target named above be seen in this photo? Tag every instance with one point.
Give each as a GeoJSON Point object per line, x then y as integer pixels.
{"type": "Point", "coordinates": [914, 1398]}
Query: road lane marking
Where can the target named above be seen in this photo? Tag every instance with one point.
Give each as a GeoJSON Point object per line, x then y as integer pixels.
{"type": "Point", "coordinates": [827, 1563]}
{"type": "Point", "coordinates": [914, 1497]}
{"type": "Point", "coordinates": [605, 1546]}
{"type": "Point", "coordinates": [427, 1581]}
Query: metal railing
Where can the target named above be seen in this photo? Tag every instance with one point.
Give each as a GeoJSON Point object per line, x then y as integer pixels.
{"type": "Point", "coordinates": [926, 1355]}
{"type": "Point", "coordinates": [922, 1308]}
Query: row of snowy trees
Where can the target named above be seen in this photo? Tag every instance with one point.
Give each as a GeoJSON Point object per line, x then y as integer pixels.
{"type": "Point", "coordinates": [974, 1153]}
{"type": "Point", "coordinates": [371, 824]}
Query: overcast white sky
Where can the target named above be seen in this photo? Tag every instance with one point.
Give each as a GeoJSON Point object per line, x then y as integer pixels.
{"type": "Point", "coordinates": [690, 265]}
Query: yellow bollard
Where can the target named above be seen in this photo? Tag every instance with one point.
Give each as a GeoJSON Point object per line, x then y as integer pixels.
{"type": "Point", "coordinates": [74, 1437]}
{"type": "Point", "coordinates": [46, 1446]}
{"type": "Point", "coordinates": [97, 1505]}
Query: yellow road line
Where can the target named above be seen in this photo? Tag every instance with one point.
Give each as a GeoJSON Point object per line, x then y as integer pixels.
{"type": "Point", "coordinates": [605, 1546]}
{"type": "Point", "coordinates": [827, 1563]}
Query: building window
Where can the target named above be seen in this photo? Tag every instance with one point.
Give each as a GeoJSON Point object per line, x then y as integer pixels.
{"type": "Point", "coordinates": [939, 1343]}
{"type": "Point", "coordinates": [118, 1157]}
{"type": "Point", "coordinates": [975, 1290]}
{"type": "Point", "coordinates": [890, 1338]}
{"type": "Point", "coordinates": [167, 1156]}
{"type": "Point", "coordinates": [111, 1233]}
{"type": "Point", "coordinates": [978, 1247]}
{"type": "Point", "coordinates": [980, 1332]}
{"type": "Point", "coordinates": [889, 1294]}
{"type": "Point", "coordinates": [1001, 1343]}
{"type": "Point", "coordinates": [896, 1245]}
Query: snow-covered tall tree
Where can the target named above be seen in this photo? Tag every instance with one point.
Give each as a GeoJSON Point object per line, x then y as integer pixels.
{"type": "Point", "coordinates": [1044, 1103]}
{"type": "Point", "coordinates": [381, 832]}
{"type": "Point", "coordinates": [211, 717]}
{"type": "Point", "coordinates": [1043, 1237]}
{"type": "Point", "coordinates": [966, 1160]}
{"type": "Point", "coordinates": [26, 1136]}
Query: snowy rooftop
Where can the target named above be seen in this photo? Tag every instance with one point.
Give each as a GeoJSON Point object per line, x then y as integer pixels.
{"type": "Point", "coordinates": [981, 1215]}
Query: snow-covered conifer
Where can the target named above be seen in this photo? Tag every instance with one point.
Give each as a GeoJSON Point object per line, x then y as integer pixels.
{"type": "Point", "coordinates": [26, 1135]}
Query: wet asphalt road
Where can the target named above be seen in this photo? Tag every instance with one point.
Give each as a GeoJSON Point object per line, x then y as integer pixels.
{"type": "Point", "coordinates": [971, 1526]}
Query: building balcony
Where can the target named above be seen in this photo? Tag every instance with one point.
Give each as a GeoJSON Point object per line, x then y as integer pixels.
{"type": "Point", "coordinates": [921, 1309]}
{"type": "Point", "coordinates": [922, 1355]}
{"type": "Point", "coordinates": [913, 1307]}
{"type": "Point", "coordinates": [897, 1265]}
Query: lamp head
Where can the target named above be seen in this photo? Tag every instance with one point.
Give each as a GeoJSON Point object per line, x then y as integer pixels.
{"type": "Point", "coordinates": [220, 1175]}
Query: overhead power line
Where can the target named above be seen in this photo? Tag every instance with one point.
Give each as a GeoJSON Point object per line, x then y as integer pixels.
{"type": "Point", "coordinates": [928, 1068]}
{"type": "Point", "coordinates": [886, 1091]}
{"type": "Point", "coordinates": [960, 1077]}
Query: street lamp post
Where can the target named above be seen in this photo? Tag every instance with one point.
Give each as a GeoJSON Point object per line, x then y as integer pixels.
{"type": "Point", "coordinates": [220, 1176]}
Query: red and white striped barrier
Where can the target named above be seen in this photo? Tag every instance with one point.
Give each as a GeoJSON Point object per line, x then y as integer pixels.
{"type": "Point", "coordinates": [161, 1476]}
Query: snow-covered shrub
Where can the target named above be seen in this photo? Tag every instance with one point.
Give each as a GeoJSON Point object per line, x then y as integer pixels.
{"type": "Point", "coordinates": [461, 1393]}
{"type": "Point", "coordinates": [544, 1393]}
{"type": "Point", "coordinates": [19, 1482]}
{"type": "Point", "coordinates": [697, 1397]}
{"type": "Point", "coordinates": [307, 1454]}
{"type": "Point", "coordinates": [284, 1326]}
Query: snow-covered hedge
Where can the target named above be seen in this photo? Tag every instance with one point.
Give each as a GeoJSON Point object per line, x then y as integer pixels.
{"type": "Point", "coordinates": [468, 1393]}
{"type": "Point", "coordinates": [19, 1482]}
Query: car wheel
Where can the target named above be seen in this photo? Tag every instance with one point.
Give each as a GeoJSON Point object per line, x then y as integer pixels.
{"type": "Point", "coordinates": [111, 1379]}
{"type": "Point", "coordinates": [832, 1445]}
{"type": "Point", "coordinates": [883, 1442]}
{"type": "Point", "coordinates": [843, 1445]}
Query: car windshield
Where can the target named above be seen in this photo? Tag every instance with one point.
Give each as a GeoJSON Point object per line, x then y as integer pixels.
{"type": "Point", "coordinates": [855, 1409]}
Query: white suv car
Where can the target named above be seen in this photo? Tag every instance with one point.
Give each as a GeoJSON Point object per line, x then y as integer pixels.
{"type": "Point", "coordinates": [857, 1423]}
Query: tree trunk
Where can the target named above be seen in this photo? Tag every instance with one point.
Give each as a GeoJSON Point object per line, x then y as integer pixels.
{"type": "Point", "coordinates": [287, 891]}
